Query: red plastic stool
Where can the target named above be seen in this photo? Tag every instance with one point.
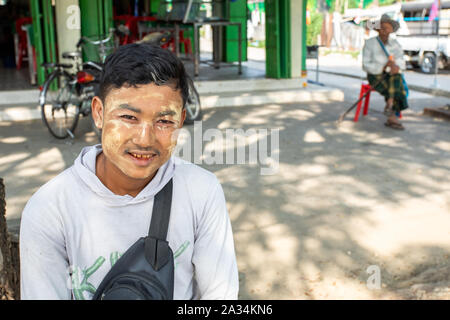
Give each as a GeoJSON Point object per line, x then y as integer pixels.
{"type": "Point", "coordinates": [365, 87]}
{"type": "Point", "coordinates": [22, 46]}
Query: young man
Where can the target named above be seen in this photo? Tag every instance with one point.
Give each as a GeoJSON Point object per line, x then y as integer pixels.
{"type": "Point", "coordinates": [77, 225]}
{"type": "Point", "coordinates": [384, 73]}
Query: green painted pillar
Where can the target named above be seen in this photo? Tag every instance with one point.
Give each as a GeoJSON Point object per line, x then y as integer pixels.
{"type": "Point", "coordinates": [96, 19]}
{"type": "Point", "coordinates": [154, 6]}
{"type": "Point", "coordinates": [237, 13]}
{"type": "Point", "coordinates": [89, 27]}
{"type": "Point", "coordinates": [49, 30]}
{"type": "Point", "coordinates": [44, 35]}
{"type": "Point", "coordinates": [278, 39]}
{"type": "Point", "coordinates": [38, 40]}
{"type": "Point", "coordinates": [108, 13]}
{"type": "Point", "coordinates": [285, 38]}
{"type": "Point", "coordinates": [272, 36]}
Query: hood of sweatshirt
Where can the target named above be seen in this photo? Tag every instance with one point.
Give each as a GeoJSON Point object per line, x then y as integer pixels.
{"type": "Point", "coordinates": [84, 168]}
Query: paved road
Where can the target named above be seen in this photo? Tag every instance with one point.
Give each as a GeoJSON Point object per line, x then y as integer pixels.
{"type": "Point", "coordinates": [346, 64]}
{"type": "Point", "coordinates": [344, 198]}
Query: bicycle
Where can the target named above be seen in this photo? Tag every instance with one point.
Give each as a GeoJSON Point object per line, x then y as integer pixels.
{"type": "Point", "coordinates": [66, 95]}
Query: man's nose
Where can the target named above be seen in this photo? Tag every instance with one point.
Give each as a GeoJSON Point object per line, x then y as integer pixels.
{"type": "Point", "coordinates": [145, 135]}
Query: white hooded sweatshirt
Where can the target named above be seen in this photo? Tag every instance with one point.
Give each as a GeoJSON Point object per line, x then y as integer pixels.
{"type": "Point", "coordinates": [74, 229]}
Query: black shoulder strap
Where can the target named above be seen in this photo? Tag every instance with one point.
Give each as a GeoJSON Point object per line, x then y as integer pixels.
{"type": "Point", "coordinates": [161, 212]}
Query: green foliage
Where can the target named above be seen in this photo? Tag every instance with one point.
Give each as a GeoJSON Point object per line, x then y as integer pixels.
{"type": "Point", "coordinates": [311, 5]}
{"type": "Point", "coordinates": [352, 4]}
{"type": "Point", "coordinates": [354, 54]}
{"type": "Point", "coordinates": [313, 30]}
{"type": "Point", "coordinates": [257, 44]}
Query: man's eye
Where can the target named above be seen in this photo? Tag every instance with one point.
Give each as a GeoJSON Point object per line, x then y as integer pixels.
{"type": "Point", "coordinates": [128, 117]}
{"type": "Point", "coordinates": [166, 122]}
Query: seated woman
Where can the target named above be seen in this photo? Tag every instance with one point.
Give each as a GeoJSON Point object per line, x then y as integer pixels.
{"type": "Point", "coordinates": [383, 62]}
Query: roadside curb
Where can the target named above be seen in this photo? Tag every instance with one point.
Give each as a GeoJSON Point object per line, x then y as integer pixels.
{"type": "Point", "coordinates": [438, 113]}
{"type": "Point", "coordinates": [213, 94]}
{"type": "Point", "coordinates": [266, 97]}
{"type": "Point", "coordinates": [19, 96]}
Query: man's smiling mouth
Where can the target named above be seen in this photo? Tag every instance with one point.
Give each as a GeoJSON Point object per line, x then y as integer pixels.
{"type": "Point", "coordinates": [142, 158]}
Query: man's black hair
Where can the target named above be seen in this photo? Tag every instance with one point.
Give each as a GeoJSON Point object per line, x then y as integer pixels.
{"type": "Point", "coordinates": [135, 64]}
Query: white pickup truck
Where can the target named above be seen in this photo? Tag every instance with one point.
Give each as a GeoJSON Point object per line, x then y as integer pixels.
{"type": "Point", "coordinates": [418, 35]}
{"type": "Point", "coordinates": [420, 50]}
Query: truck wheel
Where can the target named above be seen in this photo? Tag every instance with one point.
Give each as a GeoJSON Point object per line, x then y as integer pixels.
{"type": "Point", "coordinates": [428, 64]}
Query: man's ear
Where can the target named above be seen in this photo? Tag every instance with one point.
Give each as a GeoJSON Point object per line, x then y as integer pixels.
{"type": "Point", "coordinates": [97, 111]}
{"type": "Point", "coordinates": [183, 117]}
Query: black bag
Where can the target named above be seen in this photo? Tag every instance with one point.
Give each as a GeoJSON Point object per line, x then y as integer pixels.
{"type": "Point", "coordinates": [146, 270]}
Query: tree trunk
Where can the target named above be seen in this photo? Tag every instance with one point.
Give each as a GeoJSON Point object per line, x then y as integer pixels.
{"type": "Point", "coordinates": [9, 251]}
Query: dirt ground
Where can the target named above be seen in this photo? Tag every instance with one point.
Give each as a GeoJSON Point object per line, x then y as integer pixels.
{"type": "Point", "coordinates": [348, 207]}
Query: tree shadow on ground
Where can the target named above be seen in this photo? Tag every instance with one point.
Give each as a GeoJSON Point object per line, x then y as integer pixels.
{"type": "Point", "coordinates": [301, 233]}
{"type": "Point", "coordinates": [30, 157]}
{"type": "Point", "coordinates": [344, 198]}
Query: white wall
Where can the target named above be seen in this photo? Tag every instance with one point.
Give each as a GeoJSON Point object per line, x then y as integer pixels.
{"type": "Point", "coordinates": [68, 26]}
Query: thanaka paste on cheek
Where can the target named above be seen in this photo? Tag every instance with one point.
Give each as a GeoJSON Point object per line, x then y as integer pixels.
{"type": "Point", "coordinates": [176, 108]}
{"type": "Point", "coordinates": [173, 144]}
{"type": "Point", "coordinates": [112, 140]}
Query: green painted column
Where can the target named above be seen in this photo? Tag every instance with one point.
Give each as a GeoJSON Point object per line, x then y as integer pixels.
{"type": "Point", "coordinates": [49, 31]}
{"type": "Point", "coordinates": [285, 38]}
{"type": "Point", "coordinates": [44, 35]}
{"type": "Point", "coordinates": [154, 6]}
{"type": "Point", "coordinates": [96, 19]}
{"type": "Point", "coordinates": [237, 13]}
{"type": "Point", "coordinates": [38, 40]}
{"type": "Point", "coordinates": [278, 39]}
{"type": "Point", "coordinates": [89, 27]}
{"type": "Point", "coordinates": [272, 36]}
{"type": "Point", "coordinates": [108, 13]}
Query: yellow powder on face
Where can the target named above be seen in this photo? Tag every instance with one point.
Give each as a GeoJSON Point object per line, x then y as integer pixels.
{"type": "Point", "coordinates": [113, 137]}
{"type": "Point", "coordinates": [152, 95]}
{"type": "Point", "coordinates": [175, 107]}
{"type": "Point", "coordinates": [115, 99]}
{"type": "Point", "coordinates": [118, 97]}
{"type": "Point", "coordinates": [171, 147]}
{"type": "Point", "coordinates": [118, 122]}
{"type": "Point", "coordinates": [120, 133]}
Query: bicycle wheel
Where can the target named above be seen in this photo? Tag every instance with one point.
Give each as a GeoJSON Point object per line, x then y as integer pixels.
{"type": "Point", "coordinates": [60, 106]}
{"type": "Point", "coordinates": [193, 107]}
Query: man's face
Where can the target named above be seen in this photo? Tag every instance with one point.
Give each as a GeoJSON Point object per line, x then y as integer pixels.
{"type": "Point", "coordinates": [385, 30]}
{"type": "Point", "coordinates": [139, 127]}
